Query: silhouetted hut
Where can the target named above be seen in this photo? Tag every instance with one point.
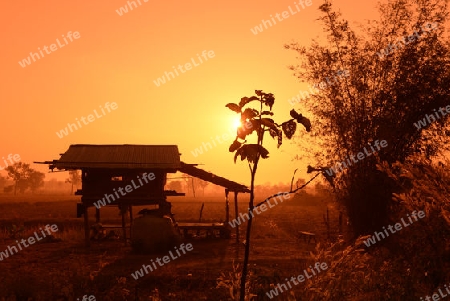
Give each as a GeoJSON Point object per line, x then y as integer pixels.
{"type": "Point", "coordinates": [131, 175]}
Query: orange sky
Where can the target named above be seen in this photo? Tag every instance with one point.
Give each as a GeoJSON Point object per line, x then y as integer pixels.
{"type": "Point", "coordinates": [117, 58]}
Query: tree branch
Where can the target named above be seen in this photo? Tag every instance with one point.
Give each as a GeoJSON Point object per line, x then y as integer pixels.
{"type": "Point", "coordinates": [292, 191]}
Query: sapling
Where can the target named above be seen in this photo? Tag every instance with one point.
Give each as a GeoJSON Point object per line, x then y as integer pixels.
{"type": "Point", "coordinates": [252, 152]}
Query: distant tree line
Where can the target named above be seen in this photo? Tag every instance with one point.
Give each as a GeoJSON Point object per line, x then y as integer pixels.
{"type": "Point", "coordinates": [24, 178]}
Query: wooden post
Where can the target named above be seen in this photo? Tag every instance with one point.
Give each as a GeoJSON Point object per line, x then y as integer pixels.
{"type": "Point", "coordinates": [86, 225]}
{"type": "Point", "coordinates": [131, 217]}
{"type": "Point", "coordinates": [201, 212]}
{"type": "Point", "coordinates": [123, 223]}
{"type": "Point", "coordinates": [85, 212]}
{"type": "Point", "coordinates": [236, 214]}
{"type": "Point", "coordinates": [227, 206]}
{"type": "Point", "coordinates": [97, 215]}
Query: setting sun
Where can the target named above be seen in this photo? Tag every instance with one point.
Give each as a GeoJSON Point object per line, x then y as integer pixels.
{"type": "Point", "coordinates": [236, 122]}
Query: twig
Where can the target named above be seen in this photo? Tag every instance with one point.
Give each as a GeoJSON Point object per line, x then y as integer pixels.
{"type": "Point", "coordinates": [292, 180]}
{"type": "Point", "coordinates": [292, 191]}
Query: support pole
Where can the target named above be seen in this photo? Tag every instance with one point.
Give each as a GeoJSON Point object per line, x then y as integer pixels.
{"type": "Point", "coordinates": [86, 225]}
{"type": "Point", "coordinates": [236, 211]}
{"type": "Point", "coordinates": [227, 206]}
{"type": "Point", "coordinates": [97, 215]}
{"type": "Point", "coordinates": [131, 218]}
{"type": "Point", "coordinates": [123, 223]}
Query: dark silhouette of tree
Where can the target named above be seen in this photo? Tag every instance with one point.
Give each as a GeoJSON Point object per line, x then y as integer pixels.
{"type": "Point", "coordinates": [25, 177]}
{"type": "Point", "coordinates": [19, 173]}
{"type": "Point", "coordinates": [201, 184]}
{"type": "Point", "coordinates": [175, 185]}
{"type": "Point", "coordinates": [382, 98]}
{"type": "Point", "coordinates": [3, 182]}
{"type": "Point", "coordinates": [189, 181]}
{"type": "Point", "coordinates": [257, 121]}
{"type": "Point", "coordinates": [74, 179]}
{"type": "Point", "coordinates": [35, 180]}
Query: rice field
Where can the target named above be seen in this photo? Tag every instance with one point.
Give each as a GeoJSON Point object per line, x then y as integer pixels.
{"type": "Point", "coordinates": [65, 269]}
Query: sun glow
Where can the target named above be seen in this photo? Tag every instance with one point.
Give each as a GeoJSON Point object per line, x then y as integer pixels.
{"type": "Point", "coordinates": [236, 122]}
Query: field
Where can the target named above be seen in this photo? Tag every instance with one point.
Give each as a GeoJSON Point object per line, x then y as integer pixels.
{"type": "Point", "coordinates": [64, 269]}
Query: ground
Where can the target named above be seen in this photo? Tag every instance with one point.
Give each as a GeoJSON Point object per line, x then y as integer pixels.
{"type": "Point", "coordinates": [64, 269]}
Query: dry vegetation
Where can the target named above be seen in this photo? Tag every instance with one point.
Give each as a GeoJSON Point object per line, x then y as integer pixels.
{"type": "Point", "coordinates": [405, 266]}
{"type": "Point", "coordinates": [66, 270]}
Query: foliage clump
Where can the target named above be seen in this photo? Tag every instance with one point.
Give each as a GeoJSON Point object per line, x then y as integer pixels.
{"type": "Point", "coordinates": [381, 99]}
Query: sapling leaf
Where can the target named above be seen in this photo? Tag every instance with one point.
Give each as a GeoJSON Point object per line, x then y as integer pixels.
{"type": "Point", "coordinates": [266, 113]}
{"type": "Point", "coordinates": [289, 128]}
{"type": "Point", "coordinates": [269, 123]}
{"type": "Point", "coordinates": [246, 100]}
{"type": "Point", "coordinates": [249, 114]}
{"type": "Point", "coordinates": [268, 100]}
{"type": "Point", "coordinates": [293, 114]}
{"type": "Point", "coordinates": [234, 146]}
{"type": "Point", "coordinates": [251, 152]}
{"type": "Point", "coordinates": [305, 121]}
{"type": "Point", "coordinates": [240, 152]}
{"type": "Point", "coordinates": [234, 107]}
{"type": "Point", "coordinates": [256, 124]}
{"type": "Point", "coordinates": [242, 132]}
{"type": "Point", "coordinates": [301, 119]}
{"type": "Point", "coordinates": [273, 133]}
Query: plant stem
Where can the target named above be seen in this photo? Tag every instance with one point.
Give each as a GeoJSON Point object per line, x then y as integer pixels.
{"type": "Point", "coordinates": [249, 224]}
{"type": "Point", "coordinates": [247, 236]}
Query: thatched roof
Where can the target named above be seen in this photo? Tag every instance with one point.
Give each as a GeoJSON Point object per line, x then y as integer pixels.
{"type": "Point", "coordinates": [125, 156]}
{"type": "Point", "coordinates": [132, 156]}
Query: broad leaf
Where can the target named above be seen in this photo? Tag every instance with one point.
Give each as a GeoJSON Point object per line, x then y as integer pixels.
{"type": "Point", "coordinates": [249, 114]}
{"type": "Point", "coordinates": [293, 114]}
{"type": "Point", "coordinates": [269, 100]}
{"type": "Point", "coordinates": [256, 124]}
{"type": "Point", "coordinates": [234, 146]}
{"type": "Point", "coordinates": [305, 121]}
{"type": "Point", "coordinates": [269, 123]}
{"type": "Point", "coordinates": [240, 152]}
{"type": "Point", "coordinates": [251, 152]}
{"type": "Point", "coordinates": [242, 132]}
{"type": "Point", "coordinates": [266, 113]}
{"type": "Point", "coordinates": [301, 119]}
{"type": "Point", "coordinates": [274, 133]}
{"type": "Point", "coordinates": [234, 107]}
{"type": "Point", "coordinates": [246, 100]}
{"type": "Point", "coordinates": [289, 128]}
